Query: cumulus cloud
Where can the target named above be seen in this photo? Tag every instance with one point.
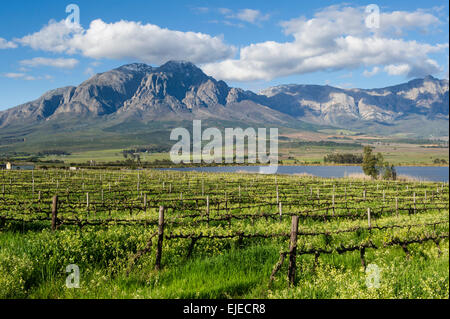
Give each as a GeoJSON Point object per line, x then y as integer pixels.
{"type": "Point", "coordinates": [53, 37]}
{"type": "Point", "coordinates": [251, 15]}
{"type": "Point", "coordinates": [375, 70]}
{"type": "Point", "coordinates": [397, 69]}
{"type": "Point", "coordinates": [57, 63]}
{"type": "Point", "coordinates": [335, 38]}
{"type": "Point", "coordinates": [129, 40]}
{"type": "Point", "coordinates": [14, 75]}
{"type": "Point", "coordinates": [26, 77]}
{"type": "Point", "coordinates": [7, 44]}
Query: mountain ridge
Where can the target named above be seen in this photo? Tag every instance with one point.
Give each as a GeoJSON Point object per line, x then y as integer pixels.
{"type": "Point", "coordinates": [179, 90]}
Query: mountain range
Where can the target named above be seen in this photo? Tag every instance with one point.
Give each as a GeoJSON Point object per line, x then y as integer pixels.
{"type": "Point", "coordinates": [139, 94]}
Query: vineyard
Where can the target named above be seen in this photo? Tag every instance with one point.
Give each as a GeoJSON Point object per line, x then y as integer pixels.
{"type": "Point", "coordinates": [167, 234]}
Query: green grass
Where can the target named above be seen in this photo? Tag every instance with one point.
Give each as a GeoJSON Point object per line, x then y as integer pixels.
{"type": "Point", "coordinates": [33, 258]}
{"type": "Point", "coordinates": [244, 273]}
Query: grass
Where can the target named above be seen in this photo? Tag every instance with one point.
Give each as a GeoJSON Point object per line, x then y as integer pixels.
{"type": "Point", "coordinates": [244, 273]}
{"type": "Point", "coordinates": [397, 154]}
{"type": "Point", "coordinates": [33, 259]}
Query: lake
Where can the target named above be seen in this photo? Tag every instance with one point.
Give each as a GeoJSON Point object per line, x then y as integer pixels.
{"type": "Point", "coordinates": [437, 174]}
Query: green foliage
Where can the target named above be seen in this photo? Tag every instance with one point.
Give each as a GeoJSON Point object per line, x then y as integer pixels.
{"type": "Point", "coordinates": [15, 272]}
{"type": "Point", "coordinates": [375, 166]}
{"type": "Point", "coordinates": [346, 158]}
{"type": "Point", "coordinates": [370, 162]}
{"type": "Point", "coordinates": [116, 227]}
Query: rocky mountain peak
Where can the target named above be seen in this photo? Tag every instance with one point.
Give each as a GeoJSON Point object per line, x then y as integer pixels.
{"type": "Point", "coordinates": [136, 67]}
{"type": "Point", "coordinates": [181, 89]}
{"type": "Point", "coordinates": [183, 67]}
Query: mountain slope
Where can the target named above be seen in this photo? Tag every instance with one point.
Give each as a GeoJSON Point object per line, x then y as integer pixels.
{"type": "Point", "coordinates": [136, 98]}
{"type": "Point", "coordinates": [341, 107]}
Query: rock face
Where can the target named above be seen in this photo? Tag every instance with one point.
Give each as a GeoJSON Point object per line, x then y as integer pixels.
{"type": "Point", "coordinates": [329, 105]}
{"type": "Point", "coordinates": [177, 85]}
{"type": "Point", "coordinates": [38, 110]}
{"type": "Point", "coordinates": [179, 90]}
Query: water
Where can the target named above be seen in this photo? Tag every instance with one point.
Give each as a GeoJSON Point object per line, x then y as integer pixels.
{"type": "Point", "coordinates": [437, 174]}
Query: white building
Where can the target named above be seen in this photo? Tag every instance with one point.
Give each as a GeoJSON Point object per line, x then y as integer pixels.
{"type": "Point", "coordinates": [10, 166]}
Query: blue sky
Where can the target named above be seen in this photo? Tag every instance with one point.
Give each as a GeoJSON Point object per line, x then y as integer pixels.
{"type": "Point", "coordinates": [249, 44]}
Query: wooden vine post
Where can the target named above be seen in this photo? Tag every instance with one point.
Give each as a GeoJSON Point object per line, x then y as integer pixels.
{"type": "Point", "coordinates": [396, 206]}
{"type": "Point", "coordinates": [293, 251]}
{"type": "Point", "coordinates": [280, 211]}
{"type": "Point", "coordinates": [278, 197]}
{"type": "Point", "coordinates": [54, 212]}
{"type": "Point", "coordinates": [207, 208]}
{"type": "Point", "coordinates": [333, 204]}
{"type": "Point", "coordinates": [160, 238]}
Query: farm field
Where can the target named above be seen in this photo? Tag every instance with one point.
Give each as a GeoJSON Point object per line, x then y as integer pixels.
{"type": "Point", "coordinates": [405, 155]}
{"type": "Point", "coordinates": [167, 234]}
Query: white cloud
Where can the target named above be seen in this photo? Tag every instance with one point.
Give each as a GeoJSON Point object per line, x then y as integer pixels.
{"type": "Point", "coordinates": [397, 69]}
{"type": "Point", "coordinates": [53, 37]}
{"type": "Point", "coordinates": [245, 15]}
{"type": "Point", "coordinates": [335, 38]}
{"type": "Point", "coordinates": [7, 44]}
{"type": "Point", "coordinates": [26, 77]}
{"type": "Point", "coordinates": [57, 63]}
{"type": "Point", "coordinates": [251, 15]}
{"type": "Point", "coordinates": [89, 71]}
{"type": "Point", "coordinates": [225, 11]}
{"type": "Point", "coordinates": [129, 40]}
{"type": "Point", "coordinates": [14, 75]}
{"type": "Point", "coordinates": [375, 70]}
{"type": "Point", "coordinates": [30, 78]}
{"type": "Point", "coordinates": [400, 21]}
{"type": "Point", "coordinates": [201, 9]}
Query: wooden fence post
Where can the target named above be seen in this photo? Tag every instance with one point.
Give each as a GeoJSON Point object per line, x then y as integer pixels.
{"type": "Point", "coordinates": [54, 212]}
{"type": "Point", "coordinates": [207, 207]}
{"type": "Point", "coordinates": [396, 206]}
{"type": "Point", "coordinates": [280, 211]}
{"type": "Point", "coordinates": [278, 198]}
{"type": "Point", "coordinates": [226, 201]}
{"type": "Point", "coordinates": [160, 238]}
{"type": "Point", "coordinates": [333, 203]}
{"type": "Point", "coordinates": [368, 218]}
{"type": "Point", "coordinates": [293, 251]}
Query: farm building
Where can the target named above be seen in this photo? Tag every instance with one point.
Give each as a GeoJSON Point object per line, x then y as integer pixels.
{"type": "Point", "coordinates": [10, 166]}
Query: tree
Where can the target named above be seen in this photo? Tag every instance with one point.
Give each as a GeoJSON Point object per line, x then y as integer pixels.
{"type": "Point", "coordinates": [389, 172]}
{"type": "Point", "coordinates": [370, 161]}
{"type": "Point", "coordinates": [373, 165]}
